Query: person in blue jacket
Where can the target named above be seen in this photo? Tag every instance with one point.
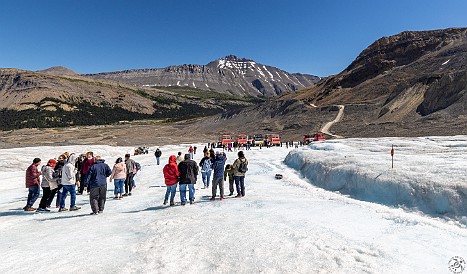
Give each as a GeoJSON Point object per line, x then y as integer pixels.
{"type": "Point", "coordinates": [218, 167]}
{"type": "Point", "coordinates": [96, 179]}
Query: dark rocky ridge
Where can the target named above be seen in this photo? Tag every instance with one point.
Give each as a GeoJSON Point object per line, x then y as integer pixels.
{"type": "Point", "coordinates": [410, 84]}
{"type": "Point", "coordinates": [230, 75]}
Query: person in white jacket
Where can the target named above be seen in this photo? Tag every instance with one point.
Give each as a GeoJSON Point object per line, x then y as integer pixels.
{"type": "Point", "coordinates": [69, 183]}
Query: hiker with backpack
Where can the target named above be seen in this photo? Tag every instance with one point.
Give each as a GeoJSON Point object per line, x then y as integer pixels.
{"type": "Point", "coordinates": [206, 167]}
{"type": "Point", "coordinates": [240, 167]}
{"type": "Point", "coordinates": [130, 172]}
{"type": "Point", "coordinates": [228, 172]}
{"type": "Point", "coordinates": [171, 175]}
{"type": "Point", "coordinates": [218, 180]}
{"type": "Point", "coordinates": [188, 175]}
{"type": "Point", "coordinates": [158, 155]}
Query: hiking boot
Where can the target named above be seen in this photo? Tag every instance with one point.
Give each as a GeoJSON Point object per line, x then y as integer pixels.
{"type": "Point", "coordinates": [172, 203]}
{"type": "Point", "coordinates": [26, 207]}
{"type": "Point", "coordinates": [93, 213]}
{"type": "Point", "coordinates": [222, 198]}
{"type": "Point", "coordinates": [116, 197]}
{"type": "Point", "coordinates": [62, 209]}
{"type": "Point", "coordinates": [192, 202]}
{"type": "Point", "coordinates": [212, 199]}
{"type": "Point", "coordinates": [30, 209]}
{"type": "Point", "coordinates": [74, 208]}
{"type": "Point", "coordinates": [126, 194]}
{"type": "Point", "coordinates": [231, 194]}
{"type": "Point", "coordinates": [100, 211]}
{"type": "Point", "coordinates": [164, 203]}
{"type": "Point", "coordinates": [183, 203]}
{"type": "Point", "coordinates": [129, 194]}
{"type": "Point", "coordinates": [238, 196]}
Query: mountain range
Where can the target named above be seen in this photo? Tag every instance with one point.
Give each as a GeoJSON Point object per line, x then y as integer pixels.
{"type": "Point", "coordinates": [231, 75]}
{"type": "Point", "coordinates": [410, 84]}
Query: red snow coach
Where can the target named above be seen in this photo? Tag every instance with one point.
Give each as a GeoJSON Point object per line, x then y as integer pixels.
{"type": "Point", "coordinates": [320, 136]}
{"type": "Point", "coordinates": [242, 139]}
{"type": "Point", "coordinates": [274, 139]}
{"type": "Point", "coordinates": [224, 140]}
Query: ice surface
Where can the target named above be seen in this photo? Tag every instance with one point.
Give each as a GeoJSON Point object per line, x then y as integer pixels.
{"type": "Point", "coordinates": [280, 226]}
{"type": "Point", "coordinates": [429, 173]}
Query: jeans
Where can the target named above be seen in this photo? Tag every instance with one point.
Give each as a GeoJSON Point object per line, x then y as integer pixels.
{"type": "Point", "coordinates": [33, 194]}
{"type": "Point", "coordinates": [206, 178]}
{"type": "Point", "coordinates": [191, 155]}
{"type": "Point", "coordinates": [191, 189]}
{"type": "Point", "coordinates": [65, 191]}
{"type": "Point", "coordinates": [240, 184]}
{"type": "Point", "coordinates": [119, 183]}
{"type": "Point", "coordinates": [158, 160]}
{"type": "Point", "coordinates": [170, 190]}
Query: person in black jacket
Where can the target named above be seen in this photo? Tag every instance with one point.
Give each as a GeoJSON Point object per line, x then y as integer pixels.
{"type": "Point", "coordinates": [188, 175]}
{"type": "Point", "coordinates": [97, 181]}
{"type": "Point", "coordinates": [158, 155]}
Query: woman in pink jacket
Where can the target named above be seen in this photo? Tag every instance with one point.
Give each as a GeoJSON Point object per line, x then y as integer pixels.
{"type": "Point", "coordinates": [119, 176]}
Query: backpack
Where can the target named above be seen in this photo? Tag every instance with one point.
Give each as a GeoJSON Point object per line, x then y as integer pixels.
{"type": "Point", "coordinates": [243, 167]}
{"type": "Point", "coordinates": [137, 166]}
{"type": "Point", "coordinates": [207, 164]}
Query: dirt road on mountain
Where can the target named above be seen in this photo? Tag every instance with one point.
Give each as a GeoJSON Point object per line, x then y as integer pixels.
{"type": "Point", "coordinates": [339, 116]}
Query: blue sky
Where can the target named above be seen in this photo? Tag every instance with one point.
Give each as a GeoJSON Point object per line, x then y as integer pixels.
{"type": "Point", "coordinates": [316, 37]}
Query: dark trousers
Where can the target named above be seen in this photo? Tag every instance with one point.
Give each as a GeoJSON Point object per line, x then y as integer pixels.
{"type": "Point", "coordinates": [128, 183]}
{"type": "Point", "coordinates": [231, 184]}
{"type": "Point", "coordinates": [81, 183]}
{"type": "Point", "coordinates": [45, 197]}
{"type": "Point", "coordinates": [52, 196]}
{"type": "Point", "coordinates": [97, 198]}
{"type": "Point", "coordinates": [240, 184]}
{"type": "Point", "coordinates": [33, 194]}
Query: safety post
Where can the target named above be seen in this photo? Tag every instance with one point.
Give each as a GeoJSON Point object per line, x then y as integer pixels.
{"type": "Point", "coordinates": [392, 156]}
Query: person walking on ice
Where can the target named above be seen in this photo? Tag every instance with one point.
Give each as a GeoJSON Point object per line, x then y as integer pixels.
{"type": "Point", "coordinates": [97, 182]}
{"type": "Point", "coordinates": [240, 167]}
{"type": "Point", "coordinates": [188, 175]}
{"type": "Point", "coordinates": [218, 180]}
{"type": "Point", "coordinates": [171, 175]}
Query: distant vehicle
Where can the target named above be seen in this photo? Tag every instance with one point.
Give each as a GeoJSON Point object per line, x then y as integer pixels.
{"type": "Point", "coordinates": [320, 136]}
{"type": "Point", "coordinates": [258, 138]}
{"type": "Point", "coordinates": [141, 150]}
{"type": "Point", "coordinates": [273, 139]}
{"type": "Point", "coordinates": [224, 140]}
{"type": "Point", "coordinates": [242, 139]}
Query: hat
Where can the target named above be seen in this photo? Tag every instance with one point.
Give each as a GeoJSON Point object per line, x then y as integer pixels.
{"type": "Point", "coordinates": [187, 156]}
{"type": "Point", "coordinates": [52, 163]}
{"type": "Point", "coordinates": [240, 154]}
{"type": "Point", "coordinates": [36, 160]}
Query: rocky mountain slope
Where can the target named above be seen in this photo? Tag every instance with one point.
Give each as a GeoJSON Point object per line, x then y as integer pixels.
{"type": "Point", "coordinates": [59, 70]}
{"type": "Point", "coordinates": [230, 75]}
{"type": "Point", "coordinates": [41, 99]}
{"type": "Point", "coordinates": [410, 84]}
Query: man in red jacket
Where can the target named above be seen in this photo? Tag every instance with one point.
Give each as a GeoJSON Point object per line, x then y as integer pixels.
{"type": "Point", "coordinates": [171, 175]}
{"type": "Point", "coordinates": [87, 163]}
{"type": "Point", "coordinates": [33, 182]}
